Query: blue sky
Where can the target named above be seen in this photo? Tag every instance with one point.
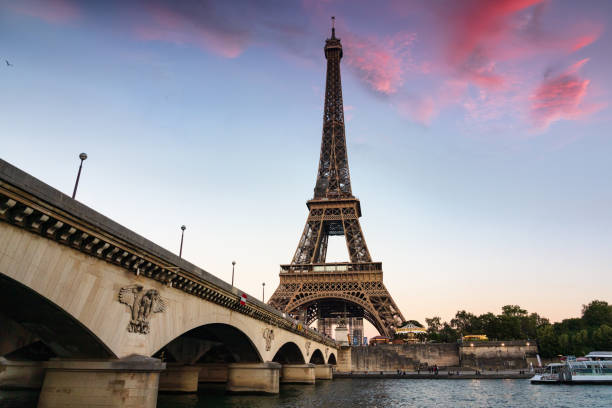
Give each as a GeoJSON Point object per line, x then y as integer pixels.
{"type": "Point", "coordinates": [483, 175]}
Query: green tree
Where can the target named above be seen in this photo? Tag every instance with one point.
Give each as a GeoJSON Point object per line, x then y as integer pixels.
{"type": "Point", "coordinates": [548, 341]}
{"type": "Point", "coordinates": [513, 311]}
{"type": "Point", "coordinates": [448, 334]}
{"type": "Point", "coordinates": [490, 325]}
{"type": "Point", "coordinates": [434, 324]}
{"type": "Point", "coordinates": [573, 324]}
{"type": "Point", "coordinates": [576, 336]}
{"type": "Point", "coordinates": [580, 343]}
{"type": "Point", "coordinates": [597, 313]}
{"type": "Point", "coordinates": [510, 327]}
{"type": "Point", "coordinates": [464, 322]}
{"type": "Point", "coordinates": [602, 337]}
{"type": "Point", "coordinates": [564, 343]}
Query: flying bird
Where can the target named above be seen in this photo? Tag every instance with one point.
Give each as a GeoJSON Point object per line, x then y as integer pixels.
{"type": "Point", "coordinates": [8, 64]}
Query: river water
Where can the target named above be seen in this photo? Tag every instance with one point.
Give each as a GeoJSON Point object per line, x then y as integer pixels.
{"type": "Point", "coordinates": [379, 393]}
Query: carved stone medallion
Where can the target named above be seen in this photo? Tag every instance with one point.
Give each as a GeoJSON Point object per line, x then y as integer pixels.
{"type": "Point", "coordinates": [142, 304]}
{"type": "Point", "coordinates": [268, 335]}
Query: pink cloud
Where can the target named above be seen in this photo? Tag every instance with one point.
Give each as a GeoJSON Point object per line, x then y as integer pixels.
{"type": "Point", "coordinates": [53, 11]}
{"type": "Point", "coordinates": [168, 25]}
{"type": "Point", "coordinates": [478, 22]}
{"type": "Point", "coordinates": [476, 29]}
{"type": "Point", "coordinates": [423, 109]}
{"type": "Point", "coordinates": [561, 97]}
{"type": "Point", "coordinates": [490, 47]}
{"type": "Point", "coordinates": [481, 34]}
{"type": "Point", "coordinates": [380, 63]}
{"type": "Point", "coordinates": [536, 40]}
{"type": "Point", "coordinates": [584, 41]}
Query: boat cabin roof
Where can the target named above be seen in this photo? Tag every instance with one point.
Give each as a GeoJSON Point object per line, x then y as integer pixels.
{"type": "Point", "coordinates": [600, 354]}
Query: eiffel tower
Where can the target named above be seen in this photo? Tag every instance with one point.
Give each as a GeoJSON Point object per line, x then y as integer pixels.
{"type": "Point", "coordinates": [310, 288]}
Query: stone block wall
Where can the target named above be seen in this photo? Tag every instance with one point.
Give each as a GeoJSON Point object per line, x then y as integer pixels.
{"type": "Point", "coordinates": [344, 359]}
{"type": "Point", "coordinates": [497, 354]}
{"type": "Point", "coordinates": [391, 357]}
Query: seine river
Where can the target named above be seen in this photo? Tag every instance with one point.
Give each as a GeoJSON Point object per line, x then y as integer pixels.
{"type": "Point", "coordinates": [379, 393]}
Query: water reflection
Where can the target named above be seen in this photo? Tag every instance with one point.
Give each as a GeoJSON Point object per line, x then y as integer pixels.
{"type": "Point", "coordinates": [370, 393]}
{"type": "Point", "coordinates": [378, 393]}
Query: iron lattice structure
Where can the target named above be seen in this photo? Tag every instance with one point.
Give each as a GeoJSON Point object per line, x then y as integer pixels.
{"type": "Point", "coordinates": [310, 288]}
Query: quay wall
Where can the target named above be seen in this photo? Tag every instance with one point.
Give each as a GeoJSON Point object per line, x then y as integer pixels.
{"type": "Point", "coordinates": [482, 355]}
{"type": "Point", "coordinates": [392, 357]}
{"type": "Point", "coordinates": [498, 354]}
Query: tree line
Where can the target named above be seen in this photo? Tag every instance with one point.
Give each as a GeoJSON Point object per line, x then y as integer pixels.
{"type": "Point", "coordinates": [574, 336]}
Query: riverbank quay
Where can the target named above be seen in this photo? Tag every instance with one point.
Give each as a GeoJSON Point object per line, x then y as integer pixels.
{"type": "Point", "coordinates": [413, 375]}
{"type": "Point", "coordinates": [489, 356]}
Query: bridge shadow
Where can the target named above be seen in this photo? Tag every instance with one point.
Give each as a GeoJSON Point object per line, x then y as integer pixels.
{"type": "Point", "coordinates": [289, 353]}
{"type": "Point", "coordinates": [210, 343]}
{"type": "Point", "coordinates": [317, 357]}
{"type": "Point", "coordinates": [33, 328]}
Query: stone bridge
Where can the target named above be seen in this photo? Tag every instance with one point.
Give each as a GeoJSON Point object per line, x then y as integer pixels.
{"type": "Point", "coordinates": [94, 313]}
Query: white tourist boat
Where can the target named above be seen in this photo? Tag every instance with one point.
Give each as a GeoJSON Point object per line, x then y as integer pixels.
{"type": "Point", "coordinates": [594, 368]}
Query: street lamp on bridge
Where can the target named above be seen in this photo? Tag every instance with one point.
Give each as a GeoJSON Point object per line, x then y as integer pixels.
{"type": "Point", "coordinates": [183, 228]}
{"type": "Point", "coordinates": [233, 264]}
{"type": "Point", "coordinates": [82, 156]}
{"type": "Point", "coordinates": [263, 292]}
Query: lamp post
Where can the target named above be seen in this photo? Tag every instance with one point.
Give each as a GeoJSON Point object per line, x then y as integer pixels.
{"type": "Point", "coordinates": [263, 292]}
{"type": "Point", "coordinates": [82, 156]}
{"type": "Point", "coordinates": [233, 264]}
{"type": "Point", "coordinates": [183, 228]}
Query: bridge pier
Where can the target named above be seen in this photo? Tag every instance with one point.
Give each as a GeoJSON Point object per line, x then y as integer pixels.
{"type": "Point", "coordinates": [344, 359]}
{"type": "Point", "coordinates": [179, 378]}
{"type": "Point", "coordinates": [298, 374]}
{"type": "Point", "coordinates": [324, 372]}
{"type": "Point", "coordinates": [212, 373]}
{"type": "Point", "coordinates": [21, 374]}
{"type": "Point", "coordinates": [128, 382]}
{"type": "Point", "coordinates": [253, 377]}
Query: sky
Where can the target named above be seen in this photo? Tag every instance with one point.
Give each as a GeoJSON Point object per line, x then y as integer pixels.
{"type": "Point", "coordinates": [477, 131]}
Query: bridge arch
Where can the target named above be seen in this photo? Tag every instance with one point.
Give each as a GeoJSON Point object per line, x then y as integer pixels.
{"type": "Point", "coordinates": [317, 357]}
{"type": "Point", "coordinates": [289, 353]}
{"type": "Point", "coordinates": [211, 343]}
{"type": "Point", "coordinates": [315, 302]}
{"type": "Point", "coordinates": [331, 359]}
{"type": "Point", "coordinates": [61, 332]}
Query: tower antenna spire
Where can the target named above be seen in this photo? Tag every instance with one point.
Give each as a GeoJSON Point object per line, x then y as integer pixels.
{"type": "Point", "coordinates": [333, 27]}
